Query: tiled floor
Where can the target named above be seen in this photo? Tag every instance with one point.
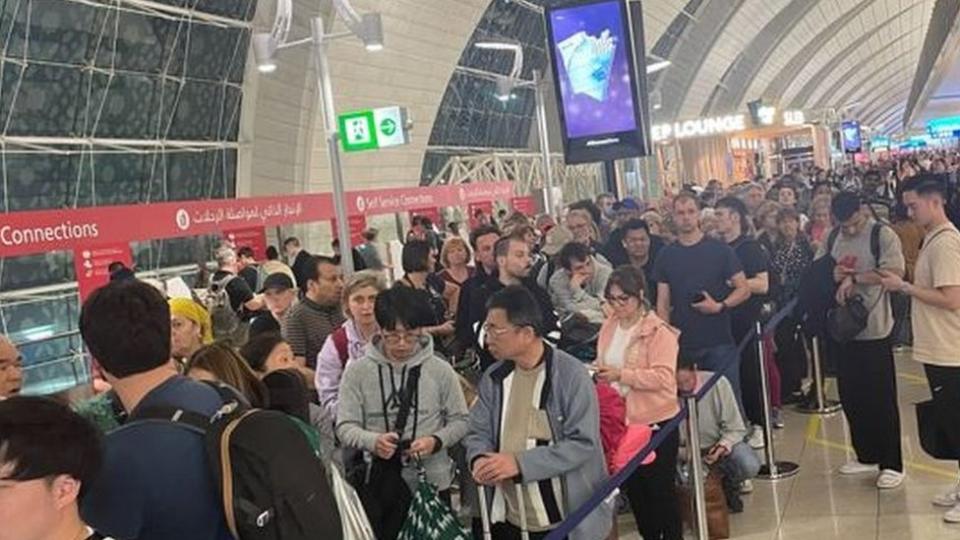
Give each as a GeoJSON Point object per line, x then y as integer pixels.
{"type": "Point", "coordinates": [817, 504]}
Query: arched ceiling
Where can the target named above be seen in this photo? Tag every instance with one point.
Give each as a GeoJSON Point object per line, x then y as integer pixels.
{"type": "Point", "coordinates": [857, 55]}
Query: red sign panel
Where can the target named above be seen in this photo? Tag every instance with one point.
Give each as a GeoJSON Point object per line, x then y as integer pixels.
{"type": "Point", "coordinates": [253, 237]}
{"type": "Point", "coordinates": [525, 205]}
{"type": "Point", "coordinates": [357, 223]}
{"type": "Point", "coordinates": [473, 209]}
{"type": "Point", "coordinates": [91, 264]}
{"type": "Point", "coordinates": [24, 233]}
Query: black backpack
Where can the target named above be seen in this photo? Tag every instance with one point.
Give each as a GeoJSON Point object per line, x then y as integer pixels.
{"type": "Point", "coordinates": [273, 485]}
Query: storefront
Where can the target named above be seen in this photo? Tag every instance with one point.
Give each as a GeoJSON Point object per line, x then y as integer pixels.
{"type": "Point", "coordinates": [738, 148]}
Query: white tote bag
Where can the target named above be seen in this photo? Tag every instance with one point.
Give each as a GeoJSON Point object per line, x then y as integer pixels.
{"type": "Point", "coordinates": [356, 525]}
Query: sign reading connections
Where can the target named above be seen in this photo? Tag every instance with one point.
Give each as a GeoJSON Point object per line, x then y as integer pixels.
{"type": "Point", "coordinates": [594, 45]}
{"type": "Point", "coordinates": [850, 136]}
{"type": "Point", "coordinates": [372, 129]}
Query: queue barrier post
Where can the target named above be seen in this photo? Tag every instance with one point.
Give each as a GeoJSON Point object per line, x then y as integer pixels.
{"type": "Point", "coordinates": [696, 468]}
{"type": "Point", "coordinates": [773, 469]}
{"type": "Point", "coordinates": [822, 405]}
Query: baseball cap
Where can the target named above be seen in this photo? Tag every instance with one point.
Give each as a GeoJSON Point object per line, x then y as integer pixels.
{"type": "Point", "coordinates": [278, 282]}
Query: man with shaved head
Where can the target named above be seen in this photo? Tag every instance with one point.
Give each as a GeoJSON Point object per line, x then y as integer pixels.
{"type": "Point", "coordinates": [11, 369]}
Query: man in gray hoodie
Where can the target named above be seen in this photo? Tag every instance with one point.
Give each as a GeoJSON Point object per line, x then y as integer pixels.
{"type": "Point", "coordinates": [535, 429]}
{"type": "Point", "coordinates": [373, 386]}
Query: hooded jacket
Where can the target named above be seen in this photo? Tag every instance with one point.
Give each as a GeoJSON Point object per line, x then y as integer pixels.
{"type": "Point", "coordinates": [374, 383]}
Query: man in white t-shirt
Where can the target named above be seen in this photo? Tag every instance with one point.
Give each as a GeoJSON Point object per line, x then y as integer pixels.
{"type": "Point", "coordinates": [936, 301]}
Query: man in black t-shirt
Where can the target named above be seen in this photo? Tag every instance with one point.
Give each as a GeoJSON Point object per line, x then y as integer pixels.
{"type": "Point", "coordinates": [298, 259]}
{"type": "Point", "coordinates": [699, 281]}
{"type": "Point", "coordinates": [733, 226]}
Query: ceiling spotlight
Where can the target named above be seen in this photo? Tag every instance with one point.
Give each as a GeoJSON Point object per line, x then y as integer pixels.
{"type": "Point", "coordinates": [264, 48]}
{"type": "Point", "coordinates": [657, 66]}
{"type": "Point", "coordinates": [497, 45]}
{"type": "Point", "coordinates": [504, 89]}
{"type": "Point", "coordinates": [370, 31]}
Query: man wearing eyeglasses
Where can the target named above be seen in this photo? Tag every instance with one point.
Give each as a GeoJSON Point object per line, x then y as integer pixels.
{"type": "Point", "coordinates": [535, 429]}
{"type": "Point", "coordinates": [400, 361]}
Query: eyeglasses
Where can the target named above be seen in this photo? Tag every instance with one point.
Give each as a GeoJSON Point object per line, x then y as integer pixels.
{"type": "Point", "coordinates": [394, 338]}
{"type": "Point", "coordinates": [493, 331]}
{"type": "Point", "coordinates": [619, 299]}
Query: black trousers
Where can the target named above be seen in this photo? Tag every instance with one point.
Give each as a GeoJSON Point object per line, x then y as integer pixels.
{"type": "Point", "coordinates": [944, 383]}
{"type": "Point", "coordinates": [867, 383]}
{"type": "Point", "coordinates": [750, 381]}
{"type": "Point", "coordinates": [791, 357]}
{"type": "Point", "coordinates": [652, 495]}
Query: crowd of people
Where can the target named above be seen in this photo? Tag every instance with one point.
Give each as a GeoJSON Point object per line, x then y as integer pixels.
{"type": "Point", "coordinates": [523, 358]}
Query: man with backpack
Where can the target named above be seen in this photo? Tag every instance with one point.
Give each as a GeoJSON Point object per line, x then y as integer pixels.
{"type": "Point", "coordinates": [156, 483]}
{"type": "Point", "coordinates": [230, 299]}
{"type": "Point", "coordinates": [863, 251]}
{"type": "Point", "coordinates": [192, 461]}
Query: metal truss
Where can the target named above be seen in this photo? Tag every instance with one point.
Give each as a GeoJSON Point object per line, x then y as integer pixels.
{"type": "Point", "coordinates": [523, 168]}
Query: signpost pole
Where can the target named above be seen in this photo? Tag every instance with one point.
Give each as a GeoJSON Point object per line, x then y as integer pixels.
{"type": "Point", "coordinates": [333, 148]}
{"type": "Point", "coordinates": [544, 137]}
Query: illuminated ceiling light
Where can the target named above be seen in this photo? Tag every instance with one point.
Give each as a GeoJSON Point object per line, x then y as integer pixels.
{"type": "Point", "coordinates": [370, 31]}
{"type": "Point", "coordinates": [264, 48]}
{"type": "Point", "coordinates": [657, 66]}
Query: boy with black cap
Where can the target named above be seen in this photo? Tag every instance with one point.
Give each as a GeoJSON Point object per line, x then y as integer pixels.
{"type": "Point", "coordinates": [864, 251]}
{"type": "Point", "coordinates": [279, 295]}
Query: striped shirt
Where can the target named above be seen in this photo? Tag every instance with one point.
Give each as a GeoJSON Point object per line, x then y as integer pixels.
{"type": "Point", "coordinates": [307, 326]}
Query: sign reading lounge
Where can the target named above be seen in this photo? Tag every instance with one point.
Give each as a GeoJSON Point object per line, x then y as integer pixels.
{"type": "Point", "coordinates": [701, 127]}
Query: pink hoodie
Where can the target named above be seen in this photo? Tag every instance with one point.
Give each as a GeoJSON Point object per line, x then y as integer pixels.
{"type": "Point", "coordinates": [649, 368]}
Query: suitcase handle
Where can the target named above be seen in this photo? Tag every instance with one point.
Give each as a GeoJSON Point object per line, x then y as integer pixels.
{"type": "Point", "coordinates": [485, 512]}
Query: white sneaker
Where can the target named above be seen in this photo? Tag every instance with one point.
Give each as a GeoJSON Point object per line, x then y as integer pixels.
{"type": "Point", "coordinates": [855, 467]}
{"type": "Point", "coordinates": [952, 515]}
{"type": "Point", "coordinates": [746, 487]}
{"type": "Point", "coordinates": [755, 440]}
{"type": "Point", "coordinates": [890, 479]}
{"type": "Point", "coordinates": [948, 499]}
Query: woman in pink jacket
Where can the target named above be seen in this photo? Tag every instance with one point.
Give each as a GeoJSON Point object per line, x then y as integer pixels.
{"type": "Point", "coordinates": [637, 353]}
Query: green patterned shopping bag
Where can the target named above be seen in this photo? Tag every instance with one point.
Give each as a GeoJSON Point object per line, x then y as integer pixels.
{"type": "Point", "coordinates": [430, 518]}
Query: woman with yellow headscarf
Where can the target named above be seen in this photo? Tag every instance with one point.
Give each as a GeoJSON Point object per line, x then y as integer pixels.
{"type": "Point", "coordinates": [190, 328]}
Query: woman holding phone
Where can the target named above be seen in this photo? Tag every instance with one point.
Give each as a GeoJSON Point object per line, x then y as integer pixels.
{"type": "Point", "coordinates": [637, 353]}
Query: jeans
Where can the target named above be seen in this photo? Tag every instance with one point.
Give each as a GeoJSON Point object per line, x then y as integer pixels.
{"type": "Point", "coordinates": [746, 460]}
{"type": "Point", "coordinates": [721, 358]}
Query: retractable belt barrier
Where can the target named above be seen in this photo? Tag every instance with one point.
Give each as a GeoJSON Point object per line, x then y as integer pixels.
{"type": "Point", "coordinates": [617, 480]}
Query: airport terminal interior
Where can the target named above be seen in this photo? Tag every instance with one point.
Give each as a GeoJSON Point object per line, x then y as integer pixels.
{"type": "Point", "coordinates": [479, 269]}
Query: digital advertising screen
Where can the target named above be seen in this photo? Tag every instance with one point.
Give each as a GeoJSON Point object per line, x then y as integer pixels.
{"type": "Point", "coordinates": [850, 136]}
{"type": "Point", "coordinates": [600, 89]}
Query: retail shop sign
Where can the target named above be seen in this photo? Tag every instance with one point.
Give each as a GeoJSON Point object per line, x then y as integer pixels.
{"type": "Point", "coordinates": [357, 223]}
{"type": "Point", "coordinates": [254, 238]}
{"type": "Point", "coordinates": [372, 129]}
{"type": "Point", "coordinates": [701, 127]}
{"type": "Point", "coordinates": [92, 265]}
{"type": "Point", "coordinates": [525, 205]}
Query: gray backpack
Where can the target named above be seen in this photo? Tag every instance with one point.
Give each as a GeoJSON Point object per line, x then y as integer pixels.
{"type": "Point", "coordinates": [226, 322]}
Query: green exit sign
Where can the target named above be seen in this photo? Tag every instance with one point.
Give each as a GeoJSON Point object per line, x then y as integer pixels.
{"type": "Point", "coordinates": [372, 129]}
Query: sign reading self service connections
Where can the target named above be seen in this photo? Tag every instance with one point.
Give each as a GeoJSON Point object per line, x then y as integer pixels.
{"type": "Point", "coordinates": [372, 129]}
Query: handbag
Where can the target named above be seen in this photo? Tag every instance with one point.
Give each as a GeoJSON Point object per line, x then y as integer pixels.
{"type": "Point", "coordinates": [718, 516]}
{"type": "Point", "coordinates": [845, 322]}
{"type": "Point", "coordinates": [384, 493]}
{"type": "Point", "coordinates": [356, 525]}
{"type": "Point", "coordinates": [939, 429]}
